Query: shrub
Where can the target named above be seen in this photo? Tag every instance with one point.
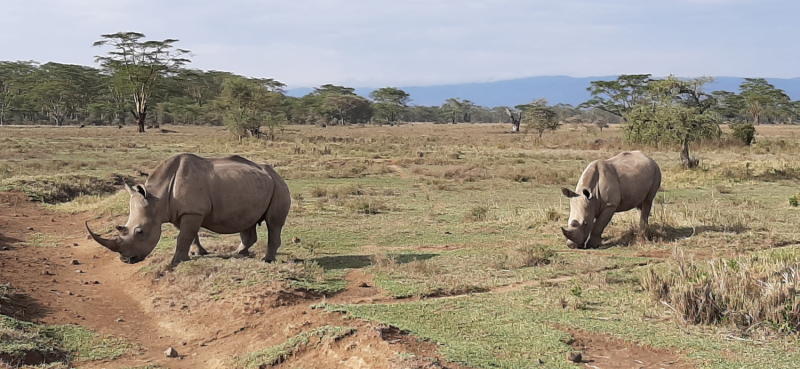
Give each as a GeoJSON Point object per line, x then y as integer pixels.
{"type": "Point", "coordinates": [746, 132]}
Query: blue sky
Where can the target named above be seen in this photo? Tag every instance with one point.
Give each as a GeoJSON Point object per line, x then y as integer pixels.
{"type": "Point", "coordinates": [374, 43]}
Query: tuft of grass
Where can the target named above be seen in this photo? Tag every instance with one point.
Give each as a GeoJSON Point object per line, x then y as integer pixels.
{"type": "Point", "coordinates": [277, 354]}
{"type": "Point", "coordinates": [366, 206]}
{"type": "Point", "coordinates": [748, 292]}
{"type": "Point", "coordinates": [477, 213]}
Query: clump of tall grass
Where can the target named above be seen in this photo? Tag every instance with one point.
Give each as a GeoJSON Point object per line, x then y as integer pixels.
{"type": "Point", "coordinates": [748, 292]}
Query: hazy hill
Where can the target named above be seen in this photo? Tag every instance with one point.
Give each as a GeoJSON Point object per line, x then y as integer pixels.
{"type": "Point", "coordinates": [557, 89]}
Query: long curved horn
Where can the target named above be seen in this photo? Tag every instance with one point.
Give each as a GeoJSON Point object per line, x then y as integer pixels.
{"type": "Point", "coordinates": [112, 245]}
{"type": "Point", "coordinates": [564, 231]}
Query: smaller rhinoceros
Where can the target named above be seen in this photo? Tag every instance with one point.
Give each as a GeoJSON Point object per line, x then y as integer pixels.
{"type": "Point", "coordinates": [224, 195]}
{"type": "Point", "coordinates": [626, 181]}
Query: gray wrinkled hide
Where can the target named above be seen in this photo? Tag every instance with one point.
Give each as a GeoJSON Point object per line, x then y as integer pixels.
{"type": "Point", "coordinates": [223, 195]}
{"type": "Point", "coordinates": [626, 181]}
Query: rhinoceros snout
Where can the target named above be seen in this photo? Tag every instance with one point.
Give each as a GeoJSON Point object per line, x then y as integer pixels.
{"type": "Point", "coordinates": [130, 260]}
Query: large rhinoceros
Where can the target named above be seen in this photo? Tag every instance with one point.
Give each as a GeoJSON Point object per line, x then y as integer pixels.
{"type": "Point", "coordinates": [626, 181]}
{"type": "Point", "coordinates": [223, 195]}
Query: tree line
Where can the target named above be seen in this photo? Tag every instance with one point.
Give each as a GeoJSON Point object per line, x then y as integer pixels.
{"type": "Point", "coordinates": [148, 83]}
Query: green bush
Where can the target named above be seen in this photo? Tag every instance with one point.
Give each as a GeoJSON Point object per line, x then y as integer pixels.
{"type": "Point", "coordinates": [745, 132]}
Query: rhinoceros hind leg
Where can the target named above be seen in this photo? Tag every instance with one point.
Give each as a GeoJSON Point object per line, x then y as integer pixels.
{"type": "Point", "coordinates": [249, 238]}
{"type": "Point", "coordinates": [197, 248]}
{"type": "Point", "coordinates": [274, 242]}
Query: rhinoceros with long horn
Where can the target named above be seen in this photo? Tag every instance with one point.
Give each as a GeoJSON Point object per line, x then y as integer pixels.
{"type": "Point", "coordinates": [223, 195]}
{"type": "Point", "coordinates": [626, 181]}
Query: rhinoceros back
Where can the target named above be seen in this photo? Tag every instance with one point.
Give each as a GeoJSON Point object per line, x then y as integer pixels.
{"type": "Point", "coordinates": [638, 178]}
{"type": "Point", "coordinates": [231, 193]}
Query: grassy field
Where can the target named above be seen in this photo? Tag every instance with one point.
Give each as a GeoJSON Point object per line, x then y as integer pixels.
{"type": "Point", "coordinates": [460, 223]}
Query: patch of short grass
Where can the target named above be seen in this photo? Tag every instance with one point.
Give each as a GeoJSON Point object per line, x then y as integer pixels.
{"type": "Point", "coordinates": [277, 354]}
{"type": "Point", "coordinates": [23, 341]}
{"type": "Point", "coordinates": [38, 239]}
{"type": "Point", "coordinates": [53, 189]}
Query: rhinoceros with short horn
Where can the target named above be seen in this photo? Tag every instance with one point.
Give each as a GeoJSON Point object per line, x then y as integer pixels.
{"type": "Point", "coordinates": [223, 195]}
{"type": "Point", "coordinates": [626, 181]}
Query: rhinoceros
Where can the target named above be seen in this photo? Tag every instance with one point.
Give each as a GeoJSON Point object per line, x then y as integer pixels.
{"type": "Point", "coordinates": [223, 195]}
{"type": "Point", "coordinates": [626, 181]}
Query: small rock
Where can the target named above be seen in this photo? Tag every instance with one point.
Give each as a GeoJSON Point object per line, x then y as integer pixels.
{"type": "Point", "coordinates": [46, 272]}
{"type": "Point", "coordinates": [30, 228]}
{"type": "Point", "coordinates": [364, 285]}
{"type": "Point", "coordinates": [448, 232]}
{"type": "Point", "coordinates": [74, 262]}
{"type": "Point", "coordinates": [70, 293]}
{"type": "Point", "coordinates": [96, 282]}
{"type": "Point", "coordinates": [78, 271]}
{"type": "Point", "coordinates": [5, 248]}
{"type": "Point", "coordinates": [296, 239]}
{"type": "Point", "coordinates": [75, 244]}
{"type": "Point", "coordinates": [171, 352]}
{"type": "Point", "coordinates": [540, 361]}
{"type": "Point", "coordinates": [52, 220]}
{"type": "Point", "coordinates": [119, 320]}
{"type": "Point", "coordinates": [575, 357]}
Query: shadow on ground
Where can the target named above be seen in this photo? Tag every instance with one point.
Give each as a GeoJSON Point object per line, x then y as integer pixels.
{"type": "Point", "coordinates": [363, 261]}
{"type": "Point", "coordinates": [667, 233]}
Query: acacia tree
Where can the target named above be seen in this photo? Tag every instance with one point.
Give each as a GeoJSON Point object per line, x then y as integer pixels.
{"type": "Point", "coordinates": [539, 117]}
{"type": "Point", "coordinates": [620, 96]}
{"type": "Point", "coordinates": [14, 77]}
{"type": "Point", "coordinates": [247, 104]}
{"type": "Point", "coordinates": [390, 102]}
{"type": "Point", "coordinates": [451, 109]}
{"type": "Point", "coordinates": [761, 98]}
{"type": "Point", "coordinates": [346, 108]}
{"type": "Point", "coordinates": [140, 66]}
{"type": "Point", "coordinates": [672, 116]}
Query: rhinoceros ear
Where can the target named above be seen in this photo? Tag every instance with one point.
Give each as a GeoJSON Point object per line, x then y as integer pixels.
{"type": "Point", "coordinates": [568, 193]}
{"type": "Point", "coordinates": [140, 189]}
{"type": "Point", "coordinates": [587, 194]}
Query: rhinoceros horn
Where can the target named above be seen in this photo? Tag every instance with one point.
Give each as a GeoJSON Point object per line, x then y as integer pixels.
{"type": "Point", "coordinates": [112, 245]}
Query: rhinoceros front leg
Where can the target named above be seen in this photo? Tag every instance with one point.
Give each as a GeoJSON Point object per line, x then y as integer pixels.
{"type": "Point", "coordinates": [197, 248]}
{"type": "Point", "coordinates": [596, 238]}
{"type": "Point", "coordinates": [189, 226]}
{"type": "Point", "coordinates": [249, 238]}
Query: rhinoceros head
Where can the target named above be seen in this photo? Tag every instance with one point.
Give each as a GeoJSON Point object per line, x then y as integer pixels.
{"type": "Point", "coordinates": [140, 235]}
{"type": "Point", "coordinates": [582, 211]}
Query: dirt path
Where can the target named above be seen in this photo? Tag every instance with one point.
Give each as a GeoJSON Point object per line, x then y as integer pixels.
{"type": "Point", "coordinates": [78, 282]}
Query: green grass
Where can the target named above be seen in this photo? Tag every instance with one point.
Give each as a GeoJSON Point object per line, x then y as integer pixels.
{"type": "Point", "coordinates": [277, 354]}
{"type": "Point", "coordinates": [453, 220]}
{"type": "Point", "coordinates": [56, 343]}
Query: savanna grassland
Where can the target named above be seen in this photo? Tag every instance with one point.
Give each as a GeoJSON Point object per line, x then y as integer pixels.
{"type": "Point", "coordinates": [443, 239]}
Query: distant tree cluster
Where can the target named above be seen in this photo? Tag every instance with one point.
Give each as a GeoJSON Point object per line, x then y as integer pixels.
{"type": "Point", "coordinates": [674, 110]}
{"type": "Point", "coordinates": [147, 83]}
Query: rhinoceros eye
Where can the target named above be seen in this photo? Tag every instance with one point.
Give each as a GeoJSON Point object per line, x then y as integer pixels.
{"type": "Point", "coordinates": [137, 231]}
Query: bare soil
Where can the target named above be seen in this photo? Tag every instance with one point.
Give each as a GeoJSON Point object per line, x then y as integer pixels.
{"type": "Point", "coordinates": [602, 351]}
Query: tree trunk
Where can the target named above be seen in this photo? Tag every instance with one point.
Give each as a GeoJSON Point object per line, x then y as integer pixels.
{"type": "Point", "coordinates": [140, 121]}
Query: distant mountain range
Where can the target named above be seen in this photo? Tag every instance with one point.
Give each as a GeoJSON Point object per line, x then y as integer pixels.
{"type": "Point", "coordinates": [556, 89]}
